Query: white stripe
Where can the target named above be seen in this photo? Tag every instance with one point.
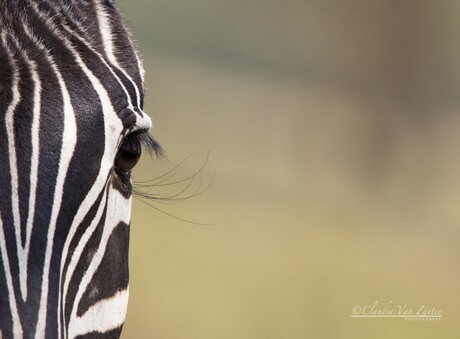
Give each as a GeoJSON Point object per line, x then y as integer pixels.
{"type": "Point", "coordinates": [141, 68]}
{"type": "Point", "coordinates": [106, 315]}
{"type": "Point", "coordinates": [106, 33]}
{"type": "Point", "coordinates": [17, 329]}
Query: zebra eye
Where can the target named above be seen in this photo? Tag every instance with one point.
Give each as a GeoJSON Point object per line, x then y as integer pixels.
{"type": "Point", "coordinates": [128, 154]}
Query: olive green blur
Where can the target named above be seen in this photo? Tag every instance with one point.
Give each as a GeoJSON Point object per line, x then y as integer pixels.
{"type": "Point", "coordinates": [333, 176]}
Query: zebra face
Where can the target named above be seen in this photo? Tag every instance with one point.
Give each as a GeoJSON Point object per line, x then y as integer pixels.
{"type": "Point", "coordinates": [71, 130]}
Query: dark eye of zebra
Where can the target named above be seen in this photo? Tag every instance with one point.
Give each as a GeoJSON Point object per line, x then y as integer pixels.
{"type": "Point", "coordinates": [128, 154]}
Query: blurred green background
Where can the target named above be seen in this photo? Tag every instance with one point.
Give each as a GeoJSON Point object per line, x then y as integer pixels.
{"type": "Point", "coordinates": [333, 174]}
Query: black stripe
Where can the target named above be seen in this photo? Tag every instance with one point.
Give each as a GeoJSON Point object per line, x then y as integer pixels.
{"type": "Point", "coordinates": [112, 275]}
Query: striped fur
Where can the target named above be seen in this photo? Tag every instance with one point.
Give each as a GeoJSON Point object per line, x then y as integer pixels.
{"type": "Point", "coordinates": [71, 92]}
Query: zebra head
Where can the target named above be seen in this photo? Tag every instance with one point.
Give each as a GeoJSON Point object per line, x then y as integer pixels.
{"type": "Point", "coordinates": [71, 130]}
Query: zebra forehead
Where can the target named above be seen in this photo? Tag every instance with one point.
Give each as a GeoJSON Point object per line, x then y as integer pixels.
{"type": "Point", "coordinates": [96, 22]}
{"type": "Point", "coordinates": [93, 29]}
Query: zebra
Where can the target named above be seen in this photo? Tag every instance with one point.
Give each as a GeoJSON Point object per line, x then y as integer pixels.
{"type": "Point", "coordinates": [71, 130]}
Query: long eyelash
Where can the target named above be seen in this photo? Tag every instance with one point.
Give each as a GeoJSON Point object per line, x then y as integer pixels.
{"type": "Point", "coordinates": [181, 189]}
{"type": "Point", "coordinates": [177, 193]}
{"type": "Point", "coordinates": [148, 142]}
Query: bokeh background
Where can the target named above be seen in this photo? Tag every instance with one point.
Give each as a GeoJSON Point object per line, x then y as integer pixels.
{"type": "Point", "coordinates": [333, 176]}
